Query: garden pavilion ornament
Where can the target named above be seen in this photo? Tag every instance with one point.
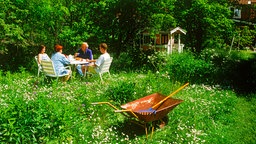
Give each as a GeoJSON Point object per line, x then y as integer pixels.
{"type": "Point", "coordinates": [178, 31]}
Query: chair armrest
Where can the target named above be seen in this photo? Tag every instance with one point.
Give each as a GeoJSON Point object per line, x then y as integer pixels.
{"type": "Point", "coordinates": [68, 67]}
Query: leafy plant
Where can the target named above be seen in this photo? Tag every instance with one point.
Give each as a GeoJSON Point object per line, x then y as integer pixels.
{"type": "Point", "coordinates": [121, 93]}
{"type": "Point", "coordinates": [186, 67]}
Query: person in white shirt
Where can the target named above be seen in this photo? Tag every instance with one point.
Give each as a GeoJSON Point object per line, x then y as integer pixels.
{"type": "Point", "coordinates": [95, 64]}
{"type": "Point", "coordinates": [41, 54]}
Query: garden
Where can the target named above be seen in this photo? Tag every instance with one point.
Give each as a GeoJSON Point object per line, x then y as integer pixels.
{"type": "Point", "coordinates": [218, 61]}
{"type": "Point", "coordinates": [43, 110]}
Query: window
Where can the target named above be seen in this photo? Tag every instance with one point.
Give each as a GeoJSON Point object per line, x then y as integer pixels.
{"type": "Point", "coordinates": [236, 12]}
{"type": "Point", "coordinates": [164, 38]}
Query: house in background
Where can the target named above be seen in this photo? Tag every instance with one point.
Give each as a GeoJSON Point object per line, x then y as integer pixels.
{"type": "Point", "coordinates": [157, 42]}
{"type": "Point", "coordinates": [245, 15]}
{"type": "Point", "coordinates": [244, 12]}
{"type": "Point", "coordinates": [168, 41]}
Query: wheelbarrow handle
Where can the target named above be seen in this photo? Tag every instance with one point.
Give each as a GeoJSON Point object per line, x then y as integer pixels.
{"type": "Point", "coordinates": [122, 110]}
{"type": "Point", "coordinates": [116, 109]}
{"type": "Point", "coordinates": [128, 110]}
{"type": "Point", "coordinates": [170, 95]}
{"type": "Point", "coordinates": [96, 103]}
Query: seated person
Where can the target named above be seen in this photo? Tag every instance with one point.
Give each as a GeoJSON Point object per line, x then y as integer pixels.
{"type": "Point", "coordinates": [92, 67]}
{"type": "Point", "coordinates": [83, 53]}
{"type": "Point", "coordinates": [59, 61]}
{"type": "Point", "coordinates": [41, 54]}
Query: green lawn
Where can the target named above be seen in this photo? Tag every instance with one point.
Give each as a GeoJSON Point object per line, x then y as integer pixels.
{"type": "Point", "coordinates": [37, 111]}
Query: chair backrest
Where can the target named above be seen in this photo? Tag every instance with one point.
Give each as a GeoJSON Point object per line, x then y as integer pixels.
{"type": "Point", "coordinates": [48, 67]}
{"type": "Point", "coordinates": [105, 66]}
{"type": "Point", "coordinates": [36, 58]}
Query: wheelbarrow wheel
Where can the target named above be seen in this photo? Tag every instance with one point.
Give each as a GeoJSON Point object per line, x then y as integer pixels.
{"type": "Point", "coordinates": [162, 122]}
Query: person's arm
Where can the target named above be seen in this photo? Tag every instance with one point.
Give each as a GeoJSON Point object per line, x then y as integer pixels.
{"type": "Point", "coordinates": [64, 60]}
{"type": "Point", "coordinates": [90, 55]}
{"type": "Point", "coordinates": [90, 60]}
{"type": "Point", "coordinates": [99, 61]}
{"type": "Point", "coordinates": [77, 54]}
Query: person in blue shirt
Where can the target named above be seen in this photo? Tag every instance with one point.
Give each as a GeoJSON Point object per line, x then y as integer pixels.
{"type": "Point", "coordinates": [60, 61]}
{"type": "Point", "coordinates": [83, 53]}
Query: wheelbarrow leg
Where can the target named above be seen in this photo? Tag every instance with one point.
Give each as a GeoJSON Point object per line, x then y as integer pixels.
{"type": "Point", "coordinates": [146, 130]}
{"type": "Point", "coordinates": [152, 130]}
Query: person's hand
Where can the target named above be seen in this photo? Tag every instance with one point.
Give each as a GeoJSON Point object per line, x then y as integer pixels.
{"type": "Point", "coordinates": [64, 55]}
{"type": "Point", "coordinates": [76, 54]}
{"type": "Point", "coordinates": [87, 60]}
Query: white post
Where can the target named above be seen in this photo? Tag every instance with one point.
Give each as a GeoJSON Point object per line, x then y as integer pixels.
{"type": "Point", "coordinates": [168, 46]}
{"type": "Point", "coordinates": [179, 47]}
{"type": "Point", "coordinates": [171, 45]}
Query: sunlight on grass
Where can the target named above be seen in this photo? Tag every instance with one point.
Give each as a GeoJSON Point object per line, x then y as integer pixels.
{"type": "Point", "coordinates": [244, 54]}
{"type": "Point", "coordinates": [51, 112]}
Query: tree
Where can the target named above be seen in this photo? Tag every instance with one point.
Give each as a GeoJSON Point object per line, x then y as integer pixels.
{"type": "Point", "coordinates": [206, 22]}
{"type": "Point", "coordinates": [26, 24]}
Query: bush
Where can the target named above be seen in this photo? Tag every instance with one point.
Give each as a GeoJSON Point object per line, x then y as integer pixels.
{"type": "Point", "coordinates": [123, 63]}
{"type": "Point", "coordinates": [235, 69]}
{"type": "Point", "coordinates": [186, 67]}
{"type": "Point", "coordinates": [158, 60]}
{"type": "Point", "coordinates": [137, 60]}
{"type": "Point", "coordinates": [121, 93]}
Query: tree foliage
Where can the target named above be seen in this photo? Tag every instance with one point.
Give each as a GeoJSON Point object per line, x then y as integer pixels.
{"type": "Point", "coordinates": [206, 22]}
{"type": "Point", "coordinates": [25, 24]}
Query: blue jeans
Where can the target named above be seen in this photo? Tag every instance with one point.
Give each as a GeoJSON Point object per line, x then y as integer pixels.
{"type": "Point", "coordinates": [79, 69]}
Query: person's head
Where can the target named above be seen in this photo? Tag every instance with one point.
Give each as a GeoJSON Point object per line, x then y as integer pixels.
{"type": "Point", "coordinates": [41, 49]}
{"type": "Point", "coordinates": [103, 47]}
{"type": "Point", "coordinates": [84, 46]}
{"type": "Point", "coordinates": [58, 48]}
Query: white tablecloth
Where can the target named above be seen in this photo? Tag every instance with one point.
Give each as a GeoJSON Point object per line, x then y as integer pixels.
{"type": "Point", "coordinates": [75, 62]}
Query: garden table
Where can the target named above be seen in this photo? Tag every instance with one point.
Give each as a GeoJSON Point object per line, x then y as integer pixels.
{"type": "Point", "coordinates": [75, 62]}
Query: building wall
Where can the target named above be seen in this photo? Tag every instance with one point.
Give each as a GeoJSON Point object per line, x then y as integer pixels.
{"type": "Point", "coordinates": [246, 1]}
{"type": "Point", "coordinates": [245, 12]}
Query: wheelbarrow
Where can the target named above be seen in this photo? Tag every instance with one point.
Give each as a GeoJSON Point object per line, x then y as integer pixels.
{"type": "Point", "coordinates": [150, 108]}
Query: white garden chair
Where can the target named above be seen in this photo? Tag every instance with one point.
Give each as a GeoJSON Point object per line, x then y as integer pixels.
{"type": "Point", "coordinates": [39, 69]}
{"type": "Point", "coordinates": [48, 69]}
{"type": "Point", "coordinates": [103, 68]}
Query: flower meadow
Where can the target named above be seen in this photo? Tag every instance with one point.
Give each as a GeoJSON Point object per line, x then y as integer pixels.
{"type": "Point", "coordinates": [40, 110]}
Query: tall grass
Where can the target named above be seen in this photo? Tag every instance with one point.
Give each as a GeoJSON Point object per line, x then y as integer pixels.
{"type": "Point", "coordinates": [33, 111]}
{"type": "Point", "coordinates": [38, 110]}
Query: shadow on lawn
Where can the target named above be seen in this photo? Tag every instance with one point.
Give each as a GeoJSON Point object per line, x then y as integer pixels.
{"type": "Point", "coordinates": [242, 75]}
{"type": "Point", "coordinates": [132, 129]}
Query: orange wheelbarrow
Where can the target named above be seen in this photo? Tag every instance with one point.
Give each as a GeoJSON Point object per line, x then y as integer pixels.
{"type": "Point", "coordinates": [149, 108]}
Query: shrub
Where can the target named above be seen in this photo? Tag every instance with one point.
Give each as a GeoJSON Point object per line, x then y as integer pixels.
{"type": "Point", "coordinates": [186, 67]}
{"type": "Point", "coordinates": [158, 60]}
{"type": "Point", "coordinates": [234, 69]}
{"type": "Point", "coordinates": [123, 63]}
{"type": "Point", "coordinates": [121, 93]}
